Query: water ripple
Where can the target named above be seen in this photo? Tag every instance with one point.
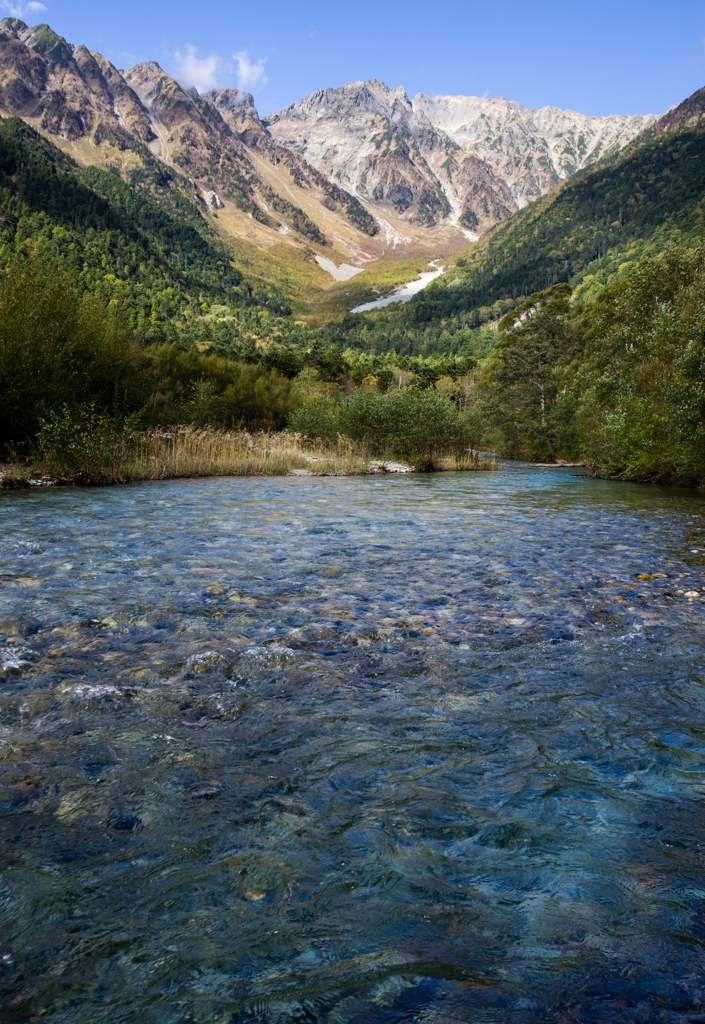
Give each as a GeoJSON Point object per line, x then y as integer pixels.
{"type": "Point", "coordinates": [424, 749]}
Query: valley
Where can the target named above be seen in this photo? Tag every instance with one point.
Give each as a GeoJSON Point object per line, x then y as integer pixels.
{"type": "Point", "coordinates": [352, 462]}
{"type": "Point", "coordinates": [317, 268]}
{"type": "Point", "coordinates": [358, 175]}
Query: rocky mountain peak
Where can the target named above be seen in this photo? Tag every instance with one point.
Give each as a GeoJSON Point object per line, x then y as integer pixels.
{"type": "Point", "coordinates": [229, 100]}
{"type": "Point", "coordinates": [45, 41]}
{"type": "Point", "coordinates": [149, 74]}
{"type": "Point", "coordinates": [13, 27]}
{"type": "Point", "coordinates": [159, 92]}
{"type": "Point", "coordinates": [363, 152]}
{"type": "Point", "coordinates": [690, 112]}
{"type": "Point", "coordinates": [481, 158]}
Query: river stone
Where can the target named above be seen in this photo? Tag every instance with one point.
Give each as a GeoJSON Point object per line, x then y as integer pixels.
{"type": "Point", "coordinates": [126, 823]}
{"type": "Point", "coordinates": [503, 836]}
{"type": "Point", "coordinates": [208, 792]}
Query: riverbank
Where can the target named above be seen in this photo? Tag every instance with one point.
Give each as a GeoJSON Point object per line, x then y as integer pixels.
{"type": "Point", "coordinates": [189, 452]}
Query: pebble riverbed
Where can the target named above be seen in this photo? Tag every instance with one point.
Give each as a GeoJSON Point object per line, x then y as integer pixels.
{"type": "Point", "coordinates": [422, 749]}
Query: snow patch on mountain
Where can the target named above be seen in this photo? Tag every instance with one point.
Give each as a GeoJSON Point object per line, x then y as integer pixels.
{"type": "Point", "coordinates": [403, 294]}
{"type": "Point", "coordinates": [342, 273]}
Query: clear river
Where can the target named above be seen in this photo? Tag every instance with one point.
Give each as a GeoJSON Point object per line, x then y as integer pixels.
{"type": "Point", "coordinates": [425, 749]}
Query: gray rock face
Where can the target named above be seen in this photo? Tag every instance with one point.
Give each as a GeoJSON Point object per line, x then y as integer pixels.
{"type": "Point", "coordinates": [505, 134]}
{"type": "Point", "coordinates": [369, 140]}
{"type": "Point", "coordinates": [468, 159]}
{"type": "Point", "coordinates": [70, 93]}
{"type": "Point", "coordinates": [228, 100]}
{"type": "Point", "coordinates": [458, 160]}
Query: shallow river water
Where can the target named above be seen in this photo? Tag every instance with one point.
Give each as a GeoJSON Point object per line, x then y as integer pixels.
{"type": "Point", "coordinates": [353, 751]}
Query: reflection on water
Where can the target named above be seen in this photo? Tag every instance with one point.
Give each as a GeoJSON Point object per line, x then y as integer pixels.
{"type": "Point", "coordinates": [421, 749]}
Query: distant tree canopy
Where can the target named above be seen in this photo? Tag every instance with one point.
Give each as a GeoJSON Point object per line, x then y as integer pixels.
{"type": "Point", "coordinates": [148, 247]}
{"type": "Point", "coordinates": [62, 346]}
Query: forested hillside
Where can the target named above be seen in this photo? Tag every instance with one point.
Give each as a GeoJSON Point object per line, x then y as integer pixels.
{"type": "Point", "coordinates": [119, 304]}
{"type": "Point", "coordinates": [619, 382]}
{"type": "Point", "coordinates": [590, 230]}
{"type": "Point", "coordinates": [146, 246]}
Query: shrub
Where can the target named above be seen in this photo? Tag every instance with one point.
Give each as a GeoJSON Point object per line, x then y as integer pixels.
{"type": "Point", "coordinates": [316, 419]}
{"type": "Point", "coordinates": [413, 425]}
{"type": "Point", "coordinates": [59, 348]}
{"type": "Point", "coordinates": [81, 441]}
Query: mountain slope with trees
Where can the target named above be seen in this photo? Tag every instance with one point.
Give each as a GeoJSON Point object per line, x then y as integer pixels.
{"type": "Point", "coordinates": [592, 229]}
{"type": "Point", "coordinates": [147, 246]}
{"type": "Point", "coordinates": [113, 118]}
{"type": "Point", "coordinates": [413, 178]}
{"type": "Point", "coordinates": [618, 382]}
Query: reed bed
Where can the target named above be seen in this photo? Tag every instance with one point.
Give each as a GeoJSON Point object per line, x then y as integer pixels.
{"type": "Point", "coordinates": [468, 462]}
{"type": "Point", "coordinates": [193, 452]}
{"type": "Point", "coordinates": [189, 452]}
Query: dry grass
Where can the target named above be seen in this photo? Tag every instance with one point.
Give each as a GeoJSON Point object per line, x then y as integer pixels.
{"type": "Point", "coordinates": [470, 462]}
{"type": "Point", "coordinates": [191, 452]}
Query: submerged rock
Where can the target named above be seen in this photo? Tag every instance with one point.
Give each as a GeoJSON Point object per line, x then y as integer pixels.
{"type": "Point", "coordinates": [503, 836]}
{"type": "Point", "coordinates": [126, 823]}
{"type": "Point", "coordinates": [207, 792]}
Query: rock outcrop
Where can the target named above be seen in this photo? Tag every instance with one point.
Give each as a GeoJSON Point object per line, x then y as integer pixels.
{"type": "Point", "coordinates": [72, 94]}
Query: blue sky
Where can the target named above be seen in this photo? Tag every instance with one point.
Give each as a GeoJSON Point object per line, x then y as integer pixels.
{"type": "Point", "coordinates": [599, 58]}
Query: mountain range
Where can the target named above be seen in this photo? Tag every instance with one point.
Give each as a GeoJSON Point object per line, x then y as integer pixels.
{"type": "Point", "coordinates": [471, 161]}
{"type": "Point", "coordinates": [356, 173]}
{"type": "Point", "coordinates": [356, 180]}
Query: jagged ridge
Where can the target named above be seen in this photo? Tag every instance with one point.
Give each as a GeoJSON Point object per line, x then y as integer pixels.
{"type": "Point", "coordinates": [595, 227]}
{"type": "Point", "coordinates": [477, 160]}
{"type": "Point", "coordinates": [73, 93]}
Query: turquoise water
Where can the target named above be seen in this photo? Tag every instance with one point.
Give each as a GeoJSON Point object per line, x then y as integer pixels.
{"type": "Point", "coordinates": [353, 751]}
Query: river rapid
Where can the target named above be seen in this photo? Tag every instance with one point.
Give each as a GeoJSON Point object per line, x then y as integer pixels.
{"type": "Point", "coordinates": [353, 751]}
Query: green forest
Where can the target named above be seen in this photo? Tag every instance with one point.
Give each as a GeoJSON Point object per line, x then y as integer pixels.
{"type": "Point", "coordinates": [144, 246]}
{"type": "Point", "coordinates": [618, 382]}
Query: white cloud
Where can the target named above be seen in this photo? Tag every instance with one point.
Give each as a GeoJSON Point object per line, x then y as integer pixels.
{"type": "Point", "coordinates": [19, 10]}
{"type": "Point", "coordinates": [196, 71]}
{"type": "Point", "coordinates": [207, 72]}
{"type": "Point", "coordinates": [249, 73]}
